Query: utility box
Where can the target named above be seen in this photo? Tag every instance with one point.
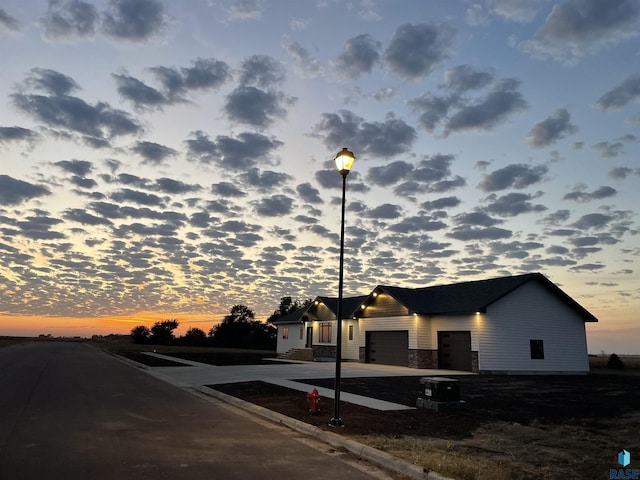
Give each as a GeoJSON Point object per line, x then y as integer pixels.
{"type": "Point", "coordinates": [438, 393]}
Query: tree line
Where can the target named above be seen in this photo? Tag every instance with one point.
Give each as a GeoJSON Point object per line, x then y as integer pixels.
{"type": "Point", "coordinates": [238, 329]}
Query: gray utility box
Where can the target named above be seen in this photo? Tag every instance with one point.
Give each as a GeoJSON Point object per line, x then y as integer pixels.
{"type": "Point", "coordinates": [438, 393]}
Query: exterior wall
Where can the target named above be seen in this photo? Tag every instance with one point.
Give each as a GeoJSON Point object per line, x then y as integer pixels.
{"type": "Point", "coordinates": [531, 312]}
{"type": "Point", "coordinates": [294, 341]}
{"type": "Point", "coordinates": [453, 323]}
{"type": "Point", "coordinates": [384, 305]}
{"type": "Point", "coordinates": [350, 347]}
{"type": "Point", "coordinates": [328, 349]}
{"type": "Point", "coordinates": [379, 324]}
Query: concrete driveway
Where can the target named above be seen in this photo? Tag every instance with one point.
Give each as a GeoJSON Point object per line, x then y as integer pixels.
{"type": "Point", "coordinates": [284, 374]}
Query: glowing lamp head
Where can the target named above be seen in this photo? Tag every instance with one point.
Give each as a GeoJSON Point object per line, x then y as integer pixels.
{"type": "Point", "coordinates": [344, 161]}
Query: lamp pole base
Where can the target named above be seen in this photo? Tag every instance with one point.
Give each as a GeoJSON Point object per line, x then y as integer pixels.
{"type": "Point", "coordinates": [336, 422]}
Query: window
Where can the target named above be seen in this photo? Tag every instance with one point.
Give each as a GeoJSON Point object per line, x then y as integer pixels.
{"type": "Point", "coordinates": [325, 333]}
{"type": "Point", "coordinates": [537, 349]}
{"type": "Point", "coordinates": [350, 332]}
{"type": "Point", "coordinates": [301, 332]}
{"type": "Point", "coordinates": [285, 333]}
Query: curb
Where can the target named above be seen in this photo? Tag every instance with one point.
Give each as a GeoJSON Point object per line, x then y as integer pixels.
{"type": "Point", "coordinates": [363, 451]}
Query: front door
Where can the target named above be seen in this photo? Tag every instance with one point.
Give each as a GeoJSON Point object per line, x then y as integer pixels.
{"type": "Point", "coordinates": [309, 342]}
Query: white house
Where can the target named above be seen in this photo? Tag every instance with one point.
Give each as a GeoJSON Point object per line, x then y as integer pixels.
{"type": "Point", "coordinates": [516, 324]}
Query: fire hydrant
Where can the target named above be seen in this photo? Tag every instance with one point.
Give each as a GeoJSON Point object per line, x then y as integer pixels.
{"type": "Point", "coordinates": [313, 397]}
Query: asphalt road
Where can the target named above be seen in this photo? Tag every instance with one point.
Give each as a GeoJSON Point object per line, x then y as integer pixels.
{"type": "Point", "coordinates": [70, 411]}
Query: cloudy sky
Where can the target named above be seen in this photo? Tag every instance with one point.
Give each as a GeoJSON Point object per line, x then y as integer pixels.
{"type": "Point", "coordinates": [171, 159]}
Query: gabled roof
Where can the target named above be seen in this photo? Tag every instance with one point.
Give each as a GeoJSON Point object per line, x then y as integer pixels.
{"type": "Point", "coordinates": [349, 304]}
{"type": "Point", "coordinates": [475, 296]}
{"type": "Point", "coordinates": [297, 316]}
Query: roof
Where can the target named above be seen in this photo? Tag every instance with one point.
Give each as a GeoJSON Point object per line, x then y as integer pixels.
{"type": "Point", "coordinates": [475, 296]}
{"type": "Point", "coordinates": [349, 304]}
{"type": "Point", "coordinates": [297, 316]}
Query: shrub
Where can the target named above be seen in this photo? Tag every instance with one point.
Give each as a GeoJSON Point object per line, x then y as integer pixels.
{"type": "Point", "coordinates": [615, 363]}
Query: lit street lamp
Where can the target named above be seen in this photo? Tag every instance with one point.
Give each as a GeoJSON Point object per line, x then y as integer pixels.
{"type": "Point", "coordinates": [344, 161]}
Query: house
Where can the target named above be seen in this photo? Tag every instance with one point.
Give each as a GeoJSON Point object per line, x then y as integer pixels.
{"type": "Point", "coordinates": [515, 324]}
{"type": "Point", "coordinates": [315, 328]}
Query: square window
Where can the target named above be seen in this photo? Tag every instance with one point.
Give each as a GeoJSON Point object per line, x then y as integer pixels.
{"type": "Point", "coordinates": [285, 333]}
{"type": "Point", "coordinates": [325, 333]}
{"type": "Point", "coordinates": [537, 349]}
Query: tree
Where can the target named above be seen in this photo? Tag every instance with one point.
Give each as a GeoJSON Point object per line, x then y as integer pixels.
{"type": "Point", "coordinates": [239, 329]}
{"type": "Point", "coordinates": [615, 362]}
{"type": "Point", "coordinates": [195, 337]}
{"type": "Point", "coordinates": [288, 305]}
{"type": "Point", "coordinates": [162, 332]}
{"type": "Point", "coordinates": [140, 334]}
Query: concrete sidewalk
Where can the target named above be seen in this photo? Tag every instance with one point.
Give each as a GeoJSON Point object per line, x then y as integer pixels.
{"type": "Point", "coordinates": [284, 374]}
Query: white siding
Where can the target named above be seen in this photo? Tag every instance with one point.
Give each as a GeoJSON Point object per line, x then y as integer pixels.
{"type": "Point", "coordinates": [532, 312]}
{"type": "Point", "coordinates": [286, 344]}
{"type": "Point", "coordinates": [379, 324]}
{"type": "Point", "coordinates": [350, 349]}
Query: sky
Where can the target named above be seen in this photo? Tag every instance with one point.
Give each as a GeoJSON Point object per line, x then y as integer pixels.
{"type": "Point", "coordinates": [172, 159]}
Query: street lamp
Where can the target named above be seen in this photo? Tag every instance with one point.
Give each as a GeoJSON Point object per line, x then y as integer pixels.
{"type": "Point", "coordinates": [344, 161]}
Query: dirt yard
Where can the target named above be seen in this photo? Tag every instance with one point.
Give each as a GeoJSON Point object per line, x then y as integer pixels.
{"type": "Point", "coordinates": [512, 427]}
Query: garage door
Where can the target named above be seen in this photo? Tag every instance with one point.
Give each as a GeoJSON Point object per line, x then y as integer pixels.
{"type": "Point", "coordinates": [388, 348]}
{"type": "Point", "coordinates": [454, 350]}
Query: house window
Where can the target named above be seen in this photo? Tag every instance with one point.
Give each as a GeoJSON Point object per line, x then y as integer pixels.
{"type": "Point", "coordinates": [285, 333]}
{"type": "Point", "coordinates": [350, 332]}
{"type": "Point", "coordinates": [325, 333]}
{"type": "Point", "coordinates": [301, 332]}
{"type": "Point", "coordinates": [537, 349]}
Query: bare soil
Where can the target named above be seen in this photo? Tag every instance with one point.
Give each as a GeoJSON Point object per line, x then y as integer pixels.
{"type": "Point", "coordinates": [511, 427]}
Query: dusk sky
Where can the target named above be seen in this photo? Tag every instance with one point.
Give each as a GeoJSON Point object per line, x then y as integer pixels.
{"type": "Point", "coordinates": [172, 159]}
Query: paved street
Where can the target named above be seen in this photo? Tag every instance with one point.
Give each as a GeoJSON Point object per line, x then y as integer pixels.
{"type": "Point", "coordinates": [70, 411]}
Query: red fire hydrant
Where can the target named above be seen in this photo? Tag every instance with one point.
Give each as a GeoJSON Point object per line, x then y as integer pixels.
{"type": "Point", "coordinates": [313, 397]}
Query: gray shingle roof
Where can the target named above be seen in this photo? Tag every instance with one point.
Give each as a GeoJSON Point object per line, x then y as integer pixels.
{"type": "Point", "coordinates": [474, 296]}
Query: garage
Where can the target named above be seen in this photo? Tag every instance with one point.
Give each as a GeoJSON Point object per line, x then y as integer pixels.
{"type": "Point", "coordinates": [388, 347]}
{"type": "Point", "coordinates": [454, 350]}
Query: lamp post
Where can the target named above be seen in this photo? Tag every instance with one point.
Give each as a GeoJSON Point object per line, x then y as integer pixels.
{"type": "Point", "coordinates": [344, 161]}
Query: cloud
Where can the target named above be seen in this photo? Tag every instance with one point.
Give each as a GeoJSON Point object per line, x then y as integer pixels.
{"type": "Point", "coordinates": [14, 134]}
{"type": "Point", "coordinates": [50, 81]}
{"type": "Point", "coordinates": [440, 203]}
{"type": "Point", "coordinates": [513, 204]}
{"type": "Point", "coordinates": [134, 20]}
{"type": "Point", "coordinates": [264, 180]}
{"type": "Point", "coordinates": [552, 129]}
{"type": "Point", "coordinates": [226, 189]}
{"type": "Point", "coordinates": [304, 64]}
{"type": "Point", "coordinates": [521, 11]}
{"type": "Point", "coordinates": [621, 95]}
{"type": "Point", "coordinates": [422, 223]}
{"type": "Point", "coordinates": [476, 218]}
{"type": "Point", "coordinates": [274, 206]}
{"type": "Point", "coordinates": [240, 153]}
{"type": "Point", "coordinates": [7, 22]}
{"type": "Point", "coordinates": [415, 50]}
{"type": "Point", "coordinates": [390, 173]}
{"type": "Point", "coordinates": [253, 106]}
{"type": "Point", "coordinates": [359, 55]}
{"type": "Point", "coordinates": [72, 18]}
{"type": "Point", "coordinates": [502, 101]}
{"type": "Point", "coordinates": [39, 228]}
{"type": "Point", "coordinates": [466, 233]}
{"type": "Point", "coordinates": [153, 153]}
{"type": "Point", "coordinates": [136, 196]}
{"type": "Point", "coordinates": [309, 194]}
{"type": "Point", "coordinates": [433, 109]}
{"type": "Point", "coordinates": [378, 139]}
{"type": "Point", "coordinates": [609, 149]}
{"type": "Point", "coordinates": [245, 10]}
{"type": "Point", "coordinates": [15, 192]}
{"type": "Point", "coordinates": [78, 167]}
{"type": "Point", "coordinates": [261, 70]}
{"type": "Point", "coordinates": [580, 195]}
{"type": "Point", "coordinates": [142, 95]}
{"type": "Point", "coordinates": [620, 173]}
{"type": "Point", "coordinates": [386, 210]}
{"type": "Point", "coordinates": [82, 216]}
{"type": "Point", "coordinates": [171, 186]}
{"type": "Point", "coordinates": [466, 77]}
{"type": "Point", "coordinates": [592, 220]}
{"type": "Point", "coordinates": [513, 176]}
{"type": "Point", "coordinates": [576, 28]}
